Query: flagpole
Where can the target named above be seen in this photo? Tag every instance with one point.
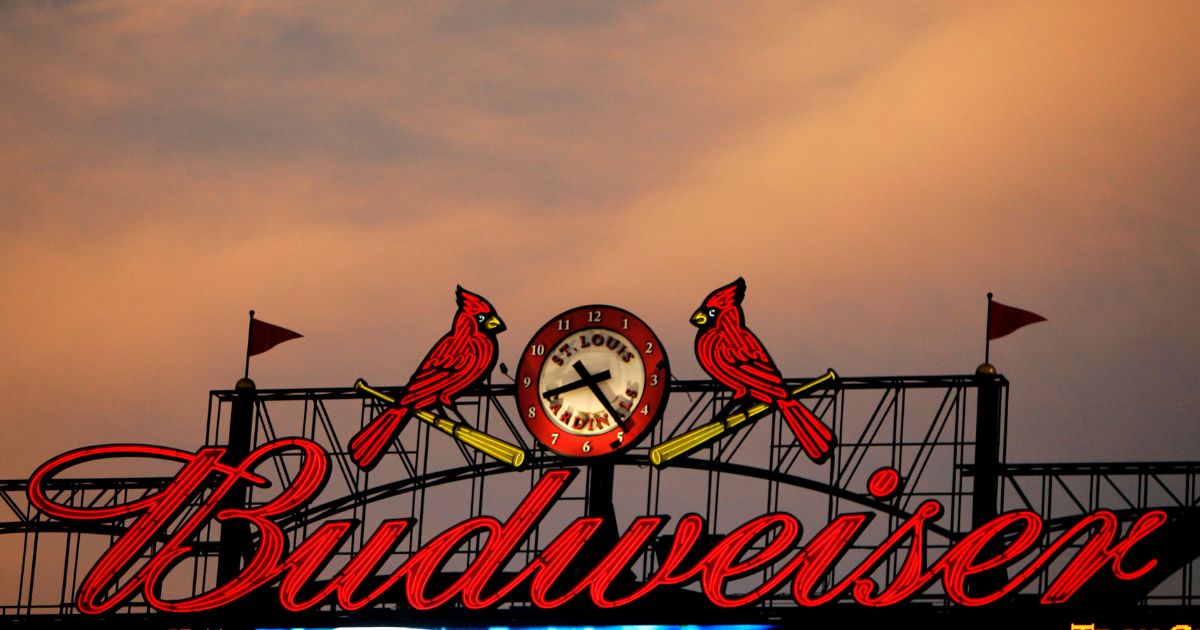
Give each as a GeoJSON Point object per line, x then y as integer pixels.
{"type": "Point", "coordinates": [987, 333]}
{"type": "Point", "coordinates": [250, 331]}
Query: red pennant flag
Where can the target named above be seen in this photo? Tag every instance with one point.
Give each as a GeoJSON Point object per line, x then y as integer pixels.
{"type": "Point", "coordinates": [1004, 319]}
{"type": "Point", "coordinates": [264, 336]}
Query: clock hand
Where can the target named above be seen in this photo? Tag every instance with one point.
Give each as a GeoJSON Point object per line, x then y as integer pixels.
{"type": "Point", "coordinates": [595, 389]}
{"type": "Point", "coordinates": [596, 378]}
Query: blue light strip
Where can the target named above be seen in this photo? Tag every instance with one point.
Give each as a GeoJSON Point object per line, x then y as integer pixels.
{"type": "Point", "coordinates": [631, 627]}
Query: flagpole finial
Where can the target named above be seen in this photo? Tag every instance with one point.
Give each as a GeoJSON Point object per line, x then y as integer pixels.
{"type": "Point", "coordinates": [986, 369]}
{"type": "Point", "coordinates": [252, 310]}
{"type": "Point", "coordinates": [989, 299]}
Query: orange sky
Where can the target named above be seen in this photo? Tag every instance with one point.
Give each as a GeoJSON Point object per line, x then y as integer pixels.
{"type": "Point", "coordinates": [872, 172]}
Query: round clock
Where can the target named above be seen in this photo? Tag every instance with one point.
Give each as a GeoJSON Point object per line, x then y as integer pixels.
{"type": "Point", "coordinates": [592, 381]}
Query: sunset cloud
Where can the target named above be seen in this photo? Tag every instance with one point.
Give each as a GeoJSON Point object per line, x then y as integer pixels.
{"type": "Point", "coordinates": [872, 172]}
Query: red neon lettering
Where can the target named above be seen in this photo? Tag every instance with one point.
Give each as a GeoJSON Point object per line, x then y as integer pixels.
{"type": "Point", "coordinates": [307, 560]}
{"type": "Point", "coordinates": [203, 481]}
{"type": "Point", "coordinates": [687, 532]}
{"type": "Point", "coordinates": [1099, 551]}
{"type": "Point", "coordinates": [154, 512]}
{"type": "Point", "coordinates": [424, 563]}
{"type": "Point", "coordinates": [502, 543]}
{"type": "Point", "coordinates": [721, 562]}
{"type": "Point", "coordinates": [264, 565]}
{"type": "Point", "coordinates": [501, 546]}
{"type": "Point", "coordinates": [826, 548]}
{"type": "Point", "coordinates": [550, 564]}
{"type": "Point", "coordinates": [883, 482]}
{"type": "Point", "coordinates": [553, 561]}
{"type": "Point", "coordinates": [628, 548]}
{"type": "Point", "coordinates": [959, 562]}
{"type": "Point", "coordinates": [912, 577]}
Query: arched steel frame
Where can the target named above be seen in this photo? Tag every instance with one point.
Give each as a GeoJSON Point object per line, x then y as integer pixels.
{"type": "Point", "coordinates": [921, 426]}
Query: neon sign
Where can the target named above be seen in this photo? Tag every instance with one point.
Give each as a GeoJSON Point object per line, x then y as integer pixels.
{"type": "Point", "coordinates": [770, 540]}
{"type": "Point", "coordinates": [591, 384]}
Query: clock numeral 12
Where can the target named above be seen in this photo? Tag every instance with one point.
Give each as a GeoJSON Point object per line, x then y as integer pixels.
{"type": "Point", "coordinates": [594, 316]}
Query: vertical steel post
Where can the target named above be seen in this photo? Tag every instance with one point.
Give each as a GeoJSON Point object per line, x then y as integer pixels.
{"type": "Point", "coordinates": [985, 495]}
{"type": "Point", "coordinates": [600, 505]}
{"type": "Point", "coordinates": [235, 536]}
{"type": "Point", "coordinates": [600, 492]}
{"type": "Point", "coordinates": [987, 448]}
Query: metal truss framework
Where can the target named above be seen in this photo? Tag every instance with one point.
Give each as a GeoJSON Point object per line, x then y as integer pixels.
{"type": "Point", "coordinates": [923, 427]}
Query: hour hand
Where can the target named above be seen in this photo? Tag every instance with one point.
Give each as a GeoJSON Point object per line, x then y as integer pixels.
{"type": "Point", "coordinates": [593, 385]}
{"type": "Point", "coordinates": [583, 382]}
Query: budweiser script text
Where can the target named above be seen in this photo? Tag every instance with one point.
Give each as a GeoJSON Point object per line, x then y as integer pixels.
{"type": "Point", "coordinates": [166, 522]}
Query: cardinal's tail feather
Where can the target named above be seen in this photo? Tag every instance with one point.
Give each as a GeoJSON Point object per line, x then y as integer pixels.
{"type": "Point", "coordinates": [368, 445]}
{"type": "Point", "coordinates": [815, 438]}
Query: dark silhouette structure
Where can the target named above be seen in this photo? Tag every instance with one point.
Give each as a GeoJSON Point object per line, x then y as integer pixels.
{"type": "Point", "coordinates": [945, 435]}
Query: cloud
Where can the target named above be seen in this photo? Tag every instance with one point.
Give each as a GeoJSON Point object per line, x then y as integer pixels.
{"type": "Point", "coordinates": [870, 172]}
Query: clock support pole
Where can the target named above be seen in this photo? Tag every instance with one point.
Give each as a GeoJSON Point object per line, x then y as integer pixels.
{"type": "Point", "coordinates": [600, 493]}
{"type": "Point", "coordinates": [600, 505]}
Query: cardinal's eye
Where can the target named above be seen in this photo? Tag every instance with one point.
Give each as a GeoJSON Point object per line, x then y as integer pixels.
{"type": "Point", "coordinates": [712, 312]}
{"type": "Point", "coordinates": [481, 318]}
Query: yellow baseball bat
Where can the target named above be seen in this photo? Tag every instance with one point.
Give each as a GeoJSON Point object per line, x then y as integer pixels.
{"type": "Point", "coordinates": [494, 447]}
{"type": "Point", "coordinates": [681, 445]}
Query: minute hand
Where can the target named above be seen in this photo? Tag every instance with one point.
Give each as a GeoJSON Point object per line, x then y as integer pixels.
{"type": "Point", "coordinates": [596, 391]}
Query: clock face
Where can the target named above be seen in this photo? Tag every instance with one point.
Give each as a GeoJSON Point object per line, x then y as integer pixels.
{"type": "Point", "coordinates": [592, 381]}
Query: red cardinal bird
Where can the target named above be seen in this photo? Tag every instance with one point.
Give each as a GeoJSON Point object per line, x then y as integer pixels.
{"type": "Point", "coordinates": [463, 356]}
{"type": "Point", "coordinates": [731, 354]}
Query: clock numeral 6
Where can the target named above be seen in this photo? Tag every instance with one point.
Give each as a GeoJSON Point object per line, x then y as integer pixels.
{"type": "Point", "coordinates": [537, 350]}
{"type": "Point", "coordinates": [526, 382]}
{"type": "Point", "coordinates": [587, 447]}
{"type": "Point", "coordinates": [532, 411]}
{"type": "Point", "coordinates": [594, 316]}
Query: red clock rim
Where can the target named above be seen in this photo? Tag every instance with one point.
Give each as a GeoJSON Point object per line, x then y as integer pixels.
{"type": "Point", "coordinates": [569, 444]}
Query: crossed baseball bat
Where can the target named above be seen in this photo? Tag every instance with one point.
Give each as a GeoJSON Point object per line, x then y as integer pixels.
{"type": "Point", "coordinates": [660, 454]}
{"type": "Point", "coordinates": [701, 435]}
{"type": "Point", "coordinates": [494, 447]}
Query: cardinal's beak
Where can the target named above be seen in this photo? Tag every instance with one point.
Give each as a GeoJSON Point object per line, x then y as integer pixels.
{"type": "Point", "coordinates": [494, 324]}
{"type": "Point", "coordinates": [699, 318]}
